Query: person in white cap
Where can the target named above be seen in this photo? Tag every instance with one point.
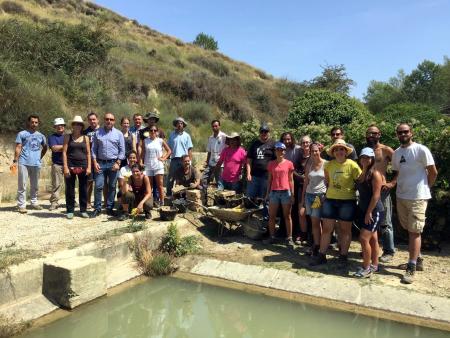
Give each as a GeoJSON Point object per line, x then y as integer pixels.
{"type": "Point", "coordinates": [55, 142]}
{"type": "Point", "coordinates": [31, 147]}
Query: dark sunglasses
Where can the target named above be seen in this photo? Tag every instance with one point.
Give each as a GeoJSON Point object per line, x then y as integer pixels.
{"type": "Point", "coordinates": [106, 119]}
{"type": "Point", "coordinates": [402, 132]}
{"type": "Point", "coordinates": [153, 130]}
{"type": "Point", "coordinates": [336, 134]}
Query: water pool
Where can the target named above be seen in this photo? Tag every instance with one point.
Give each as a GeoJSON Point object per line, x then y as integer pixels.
{"type": "Point", "coordinates": [169, 307]}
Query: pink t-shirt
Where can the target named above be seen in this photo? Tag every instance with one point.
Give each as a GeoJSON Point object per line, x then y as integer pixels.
{"type": "Point", "coordinates": [280, 174]}
{"type": "Point", "coordinates": [233, 160]}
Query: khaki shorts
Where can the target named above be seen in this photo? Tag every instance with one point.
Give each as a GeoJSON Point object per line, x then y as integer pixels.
{"type": "Point", "coordinates": [411, 214]}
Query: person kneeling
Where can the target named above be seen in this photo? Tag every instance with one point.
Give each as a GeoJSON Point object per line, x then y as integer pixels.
{"type": "Point", "coordinates": [137, 193]}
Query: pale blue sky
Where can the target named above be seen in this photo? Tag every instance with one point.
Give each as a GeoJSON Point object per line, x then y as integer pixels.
{"type": "Point", "coordinates": [287, 38]}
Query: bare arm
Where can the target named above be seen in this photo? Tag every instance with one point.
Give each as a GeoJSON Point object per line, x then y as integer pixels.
{"type": "Point", "coordinates": [305, 184]}
{"type": "Point", "coordinates": [141, 152]}
{"type": "Point", "coordinates": [392, 183]}
{"type": "Point", "coordinates": [88, 153]}
{"type": "Point", "coordinates": [190, 153]}
{"type": "Point", "coordinates": [17, 151]}
{"type": "Point", "coordinates": [148, 193]}
{"type": "Point", "coordinates": [57, 148]}
{"type": "Point", "coordinates": [167, 149]}
{"type": "Point", "coordinates": [133, 139]}
{"type": "Point", "coordinates": [64, 156]}
{"type": "Point", "coordinates": [269, 184]}
{"type": "Point", "coordinates": [431, 174]}
{"type": "Point", "coordinates": [44, 150]}
{"type": "Point", "coordinates": [377, 183]}
{"type": "Point", "coordinates": [249, 170]}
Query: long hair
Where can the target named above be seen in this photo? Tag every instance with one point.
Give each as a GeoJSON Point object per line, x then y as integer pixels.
{"type": "Point", "coordinates": [369, 173]}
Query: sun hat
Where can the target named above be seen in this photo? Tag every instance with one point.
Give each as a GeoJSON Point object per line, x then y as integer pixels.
{"type": "Point", "coordinates": [59, 121]}
{"type": "Point", "coordinates": [264, 127]}
{"type": "Point", "coordinates": [339, 143]}
{"type": "Point", "coordinates": [367, 152]}
{"type": "Point", "coordinates": [233, 135]}
{"type": "Point", "coordinates": [179, 119]}
{"type": "Point", "coordinates": [152, 114]}
{"type": "Point", "coordinates": [280, 145]}
{"type": "Point", "coordinates": [77, 119]}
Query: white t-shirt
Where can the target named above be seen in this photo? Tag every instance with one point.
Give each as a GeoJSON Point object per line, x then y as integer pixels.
{"type": "Point", "coordinates": [153, 151]}
{"type": "Point", "coordinates": [411, 163]}
{"type": "Point", "coordinates": [215, 147]}
{"type": "Point", "coordinates": [124, 172]}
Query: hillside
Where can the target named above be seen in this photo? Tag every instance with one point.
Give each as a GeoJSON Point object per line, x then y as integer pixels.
{"type": "Point", "coordinates": [70, 57]}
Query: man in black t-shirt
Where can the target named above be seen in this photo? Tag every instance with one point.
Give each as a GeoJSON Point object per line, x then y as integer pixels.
{"type": "Point", "coordinates": [260, 153]}
{"type": "Point", "coordinates": [89, 132]}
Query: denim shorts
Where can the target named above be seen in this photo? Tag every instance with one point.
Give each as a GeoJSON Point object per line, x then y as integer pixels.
{"type": "Point", "coordinates": [280, 196]}
{"type": "Point", "coordinates": [309, 200]}
{"type": "Point", "coordinates": [341, 210]}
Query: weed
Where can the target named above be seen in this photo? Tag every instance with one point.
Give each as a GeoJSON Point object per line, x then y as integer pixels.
{"type": "Point", "coordinates": [10, 327]}
{"type": "Point", "coordinates": [10, 256]}
{"type": "Point", "coordinates": [152, 263]}
{"type": "Point", "coordinates": [178, 246]}
{"type": "Point", "coordinates": [12, 7]}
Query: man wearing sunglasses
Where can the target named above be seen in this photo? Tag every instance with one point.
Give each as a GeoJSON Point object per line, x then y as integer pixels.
{"type": "Point", "coordinates": [108, 151]}
{"type": "Point", "coordinates": [383, 157]}
{"type": "Point", "coordinates": [337, 133]}
{"type": "Point", "coordinates": [416, 173]}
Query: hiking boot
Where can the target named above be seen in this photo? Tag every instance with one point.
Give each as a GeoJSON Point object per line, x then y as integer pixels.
{"type": "Point", "coordinates": [22, 210]}
{"type": "Point", "coordinates": [408, 277]}
{"type": "Point", "coordinates": [111, 212]}
{"type": "Point", "coordinates": [363, 273]}
{"type": "Point", "coordinates": [148, 215]}
{"type": "Point", "coordinates": [84, 214]}
{"type": "Point", "coordinates": [268, 241]}
{"type": "Point", "coordinates": [95, 213]}
{"type": "Point", "coordinates": [53, 206]}
{"type": "Point", "coordinates": [387, 257]}
{"type": "Point", "coordinates": [35, 207]}
{"type": "Point", "coordinates": [419, 265]}
{"type": "Point", "coordinates": [318, 260]}
{"type": "Point", "coordinates": [69, 215]}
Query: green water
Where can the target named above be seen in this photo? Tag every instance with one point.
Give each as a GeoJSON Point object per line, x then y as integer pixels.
{"type": "Point", "coordinates": [168, 307]}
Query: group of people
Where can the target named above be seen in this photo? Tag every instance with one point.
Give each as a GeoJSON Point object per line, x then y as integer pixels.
{"type": "Point", "coordinates": [330, 192]}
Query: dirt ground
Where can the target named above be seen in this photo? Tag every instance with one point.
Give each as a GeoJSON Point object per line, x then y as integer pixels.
{"type": "Point", "coordinates": [38, 233]}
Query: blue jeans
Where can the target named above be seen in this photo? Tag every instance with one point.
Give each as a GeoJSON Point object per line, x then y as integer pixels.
{"type": "Point", "coordinates": [387, 230]}
{"type": "Point", "coordinates": [257, 187]}
{"type": "Point", "coordinates": [105, 171]}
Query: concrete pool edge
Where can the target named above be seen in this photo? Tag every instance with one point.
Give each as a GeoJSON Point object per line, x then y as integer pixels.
{"type": "Point", "coordinates": [342, 297]}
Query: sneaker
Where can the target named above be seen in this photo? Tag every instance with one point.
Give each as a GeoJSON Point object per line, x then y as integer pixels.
{"type": "Point", "coordinates": [408, 277]}
{"type": "Point", "coordinates": [289, 242]}
{"type": "Point", "coordinates": [419, 265]}
{"type": "Point", "coordinates": [123, 217]}
{"type": "Point", "coordinates": [386, 258]}
{"type": "Point", "coordinates": [374, 269]}
{"type": "Point", "coordinates": [363, 273]}
{"type": "Point", "coordinates": [22, 210]}
{"type": "Point", "coordinates": [84, 214]}
{"type": "Point", "coordinates": [95, 213]}
{"type": "Point", "coordinates": [35, 207]}
{"type": "Point", "coordinates": [148, 215]}
{"type": "Point", "coordinates": [268, 241]}
{"type": "Point", "coordinates": [69, 215]}
{"type": "Point", "coordinates": [53, 206]}
{"type": "Point", "coordinates": [318, 260]}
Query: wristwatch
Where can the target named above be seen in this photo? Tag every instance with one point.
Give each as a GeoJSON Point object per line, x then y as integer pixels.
{"type": "Point", "coordinates": [14, 161]}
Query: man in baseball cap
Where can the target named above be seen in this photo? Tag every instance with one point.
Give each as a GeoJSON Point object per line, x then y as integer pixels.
{"type": "Point", "coordinates": [55, 142]}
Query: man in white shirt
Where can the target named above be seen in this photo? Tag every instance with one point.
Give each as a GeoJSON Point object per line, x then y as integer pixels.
{"type": "Point", "coordinates": [216, 143]}
{"type": "Point", "coordinates": [415, 174]}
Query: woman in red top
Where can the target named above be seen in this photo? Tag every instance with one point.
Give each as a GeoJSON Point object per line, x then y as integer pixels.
{"type": "Point", "coordinates": [280, 189]}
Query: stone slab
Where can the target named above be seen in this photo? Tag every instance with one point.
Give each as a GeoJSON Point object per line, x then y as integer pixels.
{"type": "Point", "coordinates": [74, 281]}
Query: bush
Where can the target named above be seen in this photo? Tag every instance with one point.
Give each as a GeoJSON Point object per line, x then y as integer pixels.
{"type": "Point", "coordinates": [178, 246]}
{"type": "Point", "coordinates": [12, 7]}
{"type": "Point", "coordinates": [205, 41]}
{"type": "Point", "coordinates": [325, 107]}
{"type": "Point", "coordinates": [214, 66]}
{"type": "Point", "coordinates": [197, 112]}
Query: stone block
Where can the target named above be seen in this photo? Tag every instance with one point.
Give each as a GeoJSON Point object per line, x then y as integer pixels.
{"type": "Point", "coordinates": [193, 195]}
{"type": "Point", "coordinates": [73, 281]}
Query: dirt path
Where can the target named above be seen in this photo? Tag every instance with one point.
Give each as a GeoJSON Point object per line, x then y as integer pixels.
{"type": "Point", "coordinates": [40, 232]}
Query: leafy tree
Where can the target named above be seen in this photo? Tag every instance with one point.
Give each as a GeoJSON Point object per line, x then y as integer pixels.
{"type": "Point", "coordinates": [333, 78]}
{"type": "Point", "coordinates": [206, 41]}
{"type": "Point", "coordinates": [422, 85]}
{"type": "Point", "coordinates": [325, 107]}
{"type": "Point", "coordinates": [380, 95]}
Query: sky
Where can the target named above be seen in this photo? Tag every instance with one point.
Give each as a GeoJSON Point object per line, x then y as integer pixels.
{"type": "Point", "coordinates": [293, 39]}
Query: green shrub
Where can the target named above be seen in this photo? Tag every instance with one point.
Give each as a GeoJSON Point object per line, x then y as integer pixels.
{"type": "Point", "coordinates": [325, 107]}
{"type": "Point", "coordinates": [197, 112]}
{"type": "Point", "coordinates": [214, 66]}
{"type": "Point", "coordinates": [206, 41]}
{"type": "Point", "coordinates": [178, 246]}
{"type": "Point", "coordinates": [160, 265]}
{"type": "Point", "coordinates": [12, 7]}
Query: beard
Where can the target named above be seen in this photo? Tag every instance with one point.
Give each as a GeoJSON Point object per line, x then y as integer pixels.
{"type": "Point", "coordinates": [405, 140]}
{"type": "Point", "coordinates": [371, 142]}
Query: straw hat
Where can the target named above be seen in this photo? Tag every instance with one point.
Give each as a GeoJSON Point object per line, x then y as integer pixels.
{"type": "Point", "coordinates": [77, 119]}
{"type": "Point", "coordinates": [233, 135]}
{"type": "Point", "coordinates": [179, 119]}
{"type": "Point", "coordinates": [339, 143]}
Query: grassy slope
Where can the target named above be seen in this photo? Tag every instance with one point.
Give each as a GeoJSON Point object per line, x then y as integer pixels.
{"type": "Point", "coordinates": [159, 70]}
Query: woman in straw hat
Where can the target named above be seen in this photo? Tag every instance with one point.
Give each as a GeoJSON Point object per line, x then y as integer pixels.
{"type": "Point", "coordinates": [340, 202]}
{"type": "Point", "coordinates": [233, 158]}
{"type": "Point", "coordinates": [77, 164]}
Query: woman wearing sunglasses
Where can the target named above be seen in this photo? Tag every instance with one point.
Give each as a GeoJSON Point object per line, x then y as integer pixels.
{"type": "Point", "coordinates": [154, 152]}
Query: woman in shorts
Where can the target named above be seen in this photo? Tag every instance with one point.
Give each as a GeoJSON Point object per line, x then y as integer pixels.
{"type": "Point", "coordinates": [370, 212]}
{"type": "Point", "coordinates": [313, 193]}
{"type": "Point", "coordinates": [154, 152]}
{"type": "Point", "coordinates": [340, 200]}
{"type": "Point", "coordinates": [280, 190]}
